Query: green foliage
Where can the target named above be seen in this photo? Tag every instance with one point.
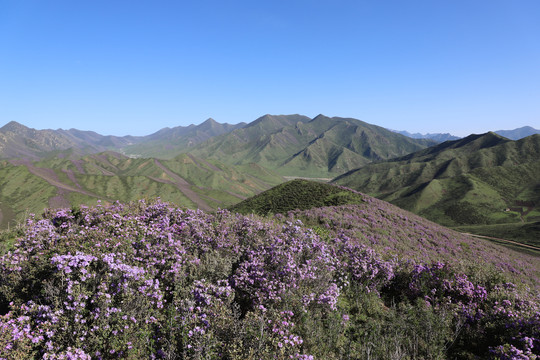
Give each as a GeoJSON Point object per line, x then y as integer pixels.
{"type": "Point", "coordinates": [297, 194]}
{"type": "Point", "coordinates": [465, 213]}
{"type": "Point", "coordinates": [9, 236]}
{"type": "Point", "coordinates": [482, 179]}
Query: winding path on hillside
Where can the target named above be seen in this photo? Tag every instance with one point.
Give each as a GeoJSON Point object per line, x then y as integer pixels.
{"type": "Point", "coordinates": [505, 241]}
{"type": "Point", "coordinates": [184, 187]}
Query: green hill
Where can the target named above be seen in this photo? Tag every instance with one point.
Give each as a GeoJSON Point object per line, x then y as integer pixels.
{"type": "Point", "coordinates": [297, 195]}
{"type": "Point", "coordinates": [185, 180]}
{"type": "Point", "coordinates": [478, 180]}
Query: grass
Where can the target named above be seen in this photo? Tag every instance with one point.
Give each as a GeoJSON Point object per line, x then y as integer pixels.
{"type": "Point", "coordinates": [297, 194]}
{"type": "Point", "coordinates": [477, 181]}
{"type": "Point", "coordinates": [185, 181]}
{"type": "Point", "coordinates": [526, 233]}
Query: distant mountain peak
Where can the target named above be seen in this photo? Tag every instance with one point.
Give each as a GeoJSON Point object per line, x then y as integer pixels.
{"type": "Point", "coordinates": [518, 133]}
{"type": "Point", "coordinates": [14, 126]}
{"type": "Point", "coordinates": [320, 116]}
{"type": "Point", "coordinates": [439, 137]}
{"type": "Point", "coordinates": [210, 121]}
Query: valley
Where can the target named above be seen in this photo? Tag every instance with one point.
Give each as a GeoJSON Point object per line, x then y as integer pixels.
{"type": "Point", "coordinates": [486, 184]}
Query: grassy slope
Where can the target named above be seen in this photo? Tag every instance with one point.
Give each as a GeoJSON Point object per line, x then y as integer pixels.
{"type": "Point", "coordinates": [17, 201]}
{"type": "Point", "coordinates": [185, 181]}
{"type": "Point", "coordinates": [388, 229]}
{"type": "Point", "coordinates": [473, 181]}
{"type": "Point", "coordinates": [297, 194]}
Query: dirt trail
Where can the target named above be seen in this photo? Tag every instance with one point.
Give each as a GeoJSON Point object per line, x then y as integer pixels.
{"type": "Point", "coordinates": [504, 240]}
{"type": "Point", "coordinates": [184, 187]}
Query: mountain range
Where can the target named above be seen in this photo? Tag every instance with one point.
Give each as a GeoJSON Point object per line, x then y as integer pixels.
{"type": "Point", "coordinates": [518, 133]}
{"type": "Point", "coordinates": [515, 134]}
{"type": "Point", "coordinates": [480, 179]}
{"type": "Point", "coordinates": [437, 136]}
{"type": "Point", "coordinates": [477, 180]}
{"type": "Point", "coordinates": [19, 141]}
{"type": "Point", "coordinates": [295, 145]}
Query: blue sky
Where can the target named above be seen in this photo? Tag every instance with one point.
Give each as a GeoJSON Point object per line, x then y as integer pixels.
{"type": "Point", "coordinates": [134, 67]}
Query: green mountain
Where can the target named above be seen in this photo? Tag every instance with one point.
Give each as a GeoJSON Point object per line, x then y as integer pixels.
{"type": "Point", "coordinates": [294, 145]}
{"type": "Point", "coordinates": [169, 142]}
{"type": "Point", "coordinates": [19, 141]}
{"type": "Point", "coordinates": [30, 186]}
{"type": "Point", "coordinates": [297, 195]}
{"type": "Point", "coordinates": [481, 179]}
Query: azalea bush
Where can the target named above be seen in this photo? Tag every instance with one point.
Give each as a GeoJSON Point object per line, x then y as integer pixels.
{"type": "Point", "coordinates": [149, 280]}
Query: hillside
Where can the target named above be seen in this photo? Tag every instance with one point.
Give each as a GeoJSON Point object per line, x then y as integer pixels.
{"type": "Point", "coordinates": [64, 182]}
{"type": "Point", "coordinates": [19, 141]}
{"type": "Point", "coordinates": [297, 194]}
{"type": "Point", "coordinates": [481, 179]}
{"type": "Point", "coordinates": [377, 222]}
{"type": "Point", "coordinates": [149, 280]}
{"type": "Point", "coordinates": [294, 145]}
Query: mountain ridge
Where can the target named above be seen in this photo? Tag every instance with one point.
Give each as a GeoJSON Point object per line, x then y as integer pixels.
{"type": "Point", "coordinates": [486, 172]}
{"type": "Point", "coordinates": [314, 147]}
{"type": "Point", "coordinates": [518, 133]}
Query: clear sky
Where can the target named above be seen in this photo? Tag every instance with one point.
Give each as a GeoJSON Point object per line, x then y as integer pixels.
{"type": "Point", "coordinates": [133, 67]}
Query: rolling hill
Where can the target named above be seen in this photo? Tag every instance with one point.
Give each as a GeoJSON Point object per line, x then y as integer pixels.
{"type": "Point", "coordinates": [294, 145]}
{"type": "Point", "coordinates": [64, 182]}
{"type": "Point", "coordinates": [481, 179]}
{"type": "Point", "coordinates": [297, 194]}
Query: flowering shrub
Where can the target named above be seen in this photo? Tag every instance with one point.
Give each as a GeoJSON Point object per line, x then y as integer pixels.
{"type": "Point", "coordinates": [147, 280]}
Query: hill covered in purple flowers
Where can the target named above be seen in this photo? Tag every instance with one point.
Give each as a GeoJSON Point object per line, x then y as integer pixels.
{"type": "Point", "coordinates": [147, 280]}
